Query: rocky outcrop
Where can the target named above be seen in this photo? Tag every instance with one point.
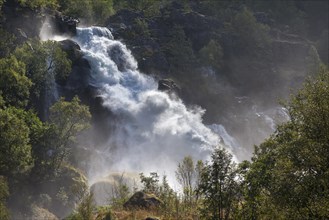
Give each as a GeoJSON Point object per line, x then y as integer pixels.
{"type": "Point", "coordinates": [148, 48]}
{"type": "Point", "coordinates": [142, 200]}
{"type": "Point", "coordinates": [65, 24]}
{"type": "Point", "coordinates": [168, 85]}
{"type": "Point", "coordinates": [39, 213]}
{"type": "Point", "coordinates": [22, 22]}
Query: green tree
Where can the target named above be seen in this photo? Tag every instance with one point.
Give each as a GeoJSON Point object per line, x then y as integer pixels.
{"type": "Point", "coordinates": [102, 10]}
{"type": "Point", "coordinates": [15, 149]}
{"type": "Point", "coordinates": [7, 43]}
{"type": "Point", "coordinates": [34, 4]}
{"type": "Point", "coordinates": [45, 64]}
{"type": "Point", "coordinates": [150, 183]}
{"type": "Point", "coordinates": [291, 168]}
{"type": "Point", "coordinates": [148, 8]}
{"type": "Point", "coordinates": [249, 35]}
{"type": "Point", "coordinates": [69, 119]}
{"type": "Point", "coordinates": [179, 49]}
{"type": "Point", "coordinates": [85, 208]}
{"type": "Point", "coordinates": [212, 54]}
{"type": "Point", "coordinates": [77, 8]}
{"type": "Point", "coordinates": [14, 85]}
{"type": "Point", "coordinates": [218, 186]}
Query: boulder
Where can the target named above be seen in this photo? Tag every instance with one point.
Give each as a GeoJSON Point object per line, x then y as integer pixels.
{"type": "Point", "coordinates": [65, 25]}
{"type": "Point", "coordinates": [142, 200]}
{"type": "Point", "coordinates": [41, 213]}
{"type": "Point", "coordinates": [152, 218]}
{"type": "Point", "coordinates": [72, 49]}
{"type": "Point", "coordinates": [167, 85]}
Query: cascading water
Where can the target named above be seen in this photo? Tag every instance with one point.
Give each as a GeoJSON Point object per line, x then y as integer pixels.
{"type": "Point", "coordinates": [154, 131]}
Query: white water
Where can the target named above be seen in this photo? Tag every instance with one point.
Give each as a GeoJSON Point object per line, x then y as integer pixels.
{"type": "Point", "coordinates": [154, 132]}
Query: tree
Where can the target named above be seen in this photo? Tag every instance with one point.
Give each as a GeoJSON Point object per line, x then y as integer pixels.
{"type": "Point", "coordinates": [291, 167]}
{"type": "Point", "coordinates": [46, 64]}
{"type": "Point", "coordinates": [14, 85]}
{"type": "Point", "coordinates": [7, 43]}
{"type": "Point", "coordinates": [218, 186]}
{"type": "Point", "coordinates": [15, 149]}
{"type": "Point", "coordinates": [150, 182]}
{"type": "Point", "coordinates": [185, 175]}
{"type": "Point", "coordinates": [249, 35]}
{"type": "Point", "coordinates": [77, 8]}
{"type": "Point", "coordinates": [34, 4]}
{"type": "Point", "coordinates": [102, 10]}
{"type": "Point", "coordinates": [212, 54]}
{"type": "Point", "coordinates": [179, 49]}
{"type": "Point", "coordinates": [68, 120]}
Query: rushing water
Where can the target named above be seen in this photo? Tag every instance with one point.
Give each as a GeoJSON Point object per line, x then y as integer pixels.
{"type": "Point", "coordinates": [154, 130]}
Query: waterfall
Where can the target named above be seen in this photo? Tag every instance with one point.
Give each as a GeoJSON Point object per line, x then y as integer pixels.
{"type": "Point", "coordinates": [154, 131]}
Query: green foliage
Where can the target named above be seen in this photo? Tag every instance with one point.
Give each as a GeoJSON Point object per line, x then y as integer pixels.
{"type": "Point", "coordinates": [150, 183]}
{"type": "Point", "coordinates": [104, 213]}
{"type": "Point", "coordinates": [68, 119]}
{"type": "Point", "coordinates": [148, 8]}
{"type": "Point", "coordinates": [212, 54]}
{"type": "Point", "coordinates": [4, 194]}
{"type": "Point", "coordinates": [102, 10]}
{"type": "Point", "coordinates": [44, 62]}
{"type": "Point", "coordinates": [179, 49]}
{"type": "Point", "coordinates": [15, 150]}
{"type": "Point", "coordinates": [218, 186]}
{"type": "Point", "coordinates": [169, 199]}
{"type": "Point", "coordinates": [85, 209]}
{"type": "Point", "coordinates": [35, 4]}
{"type": "Point", "coordinates": [120, 192]}
{"type": "Point", "coordinates": [141, 27]}
{"type": "Point", "coordinates": [290, 171]}
{"type": "Point", "coordinates": [77, 8]}
{"type": "Point", "coordinates": [97, 11]}
{"type": "Point", "coordinates": [7, 43]}
{"type": "Point", "coordinates": [249, 35]}
{"type": "Point", "coordinates": [14, 85]}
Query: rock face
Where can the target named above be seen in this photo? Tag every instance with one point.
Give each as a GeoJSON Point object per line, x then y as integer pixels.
{"type": "Point", "coordinates": [167, 85]}
{"type": "Point", "coordinates": [65, 24]}
{"type": "Point", "coordinates": [142, 200]}
{"type": "Point", "coordinates": [41, 213]}
{"type": "Point", "coordinates": [22, 22]}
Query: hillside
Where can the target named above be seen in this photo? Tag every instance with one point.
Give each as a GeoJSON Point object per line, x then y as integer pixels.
{"type": "Point", "coordinates": [188, 90]}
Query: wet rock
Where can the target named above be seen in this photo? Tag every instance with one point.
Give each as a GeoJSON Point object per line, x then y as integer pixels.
{"type": "Point", "coordinates": [65, 24]}
{"type": "Point", "coordinates": [72, 49]}
{"type": "Point", "coordinates": [142, 200]}
{"type": "Point", "coordinates": [167, 85]}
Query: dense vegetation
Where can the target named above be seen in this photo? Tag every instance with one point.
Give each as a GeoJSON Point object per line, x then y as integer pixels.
{"type": "Point", "coordinates": [288, 175]}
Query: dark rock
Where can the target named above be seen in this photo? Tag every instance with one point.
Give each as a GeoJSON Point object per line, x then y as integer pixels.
{"type": "Point", "coordinates": [72, 50]}
{"type": "Point", "coordinates": [22, 22]}
{"type": "Point", "coordinates": [142, 200]}
{"type": "Point", "coordinates": [65, 24]}
{"type": "Point", "coordinates": [152, 218]}
{"type": "Point", "coordinates": [167, 85]}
